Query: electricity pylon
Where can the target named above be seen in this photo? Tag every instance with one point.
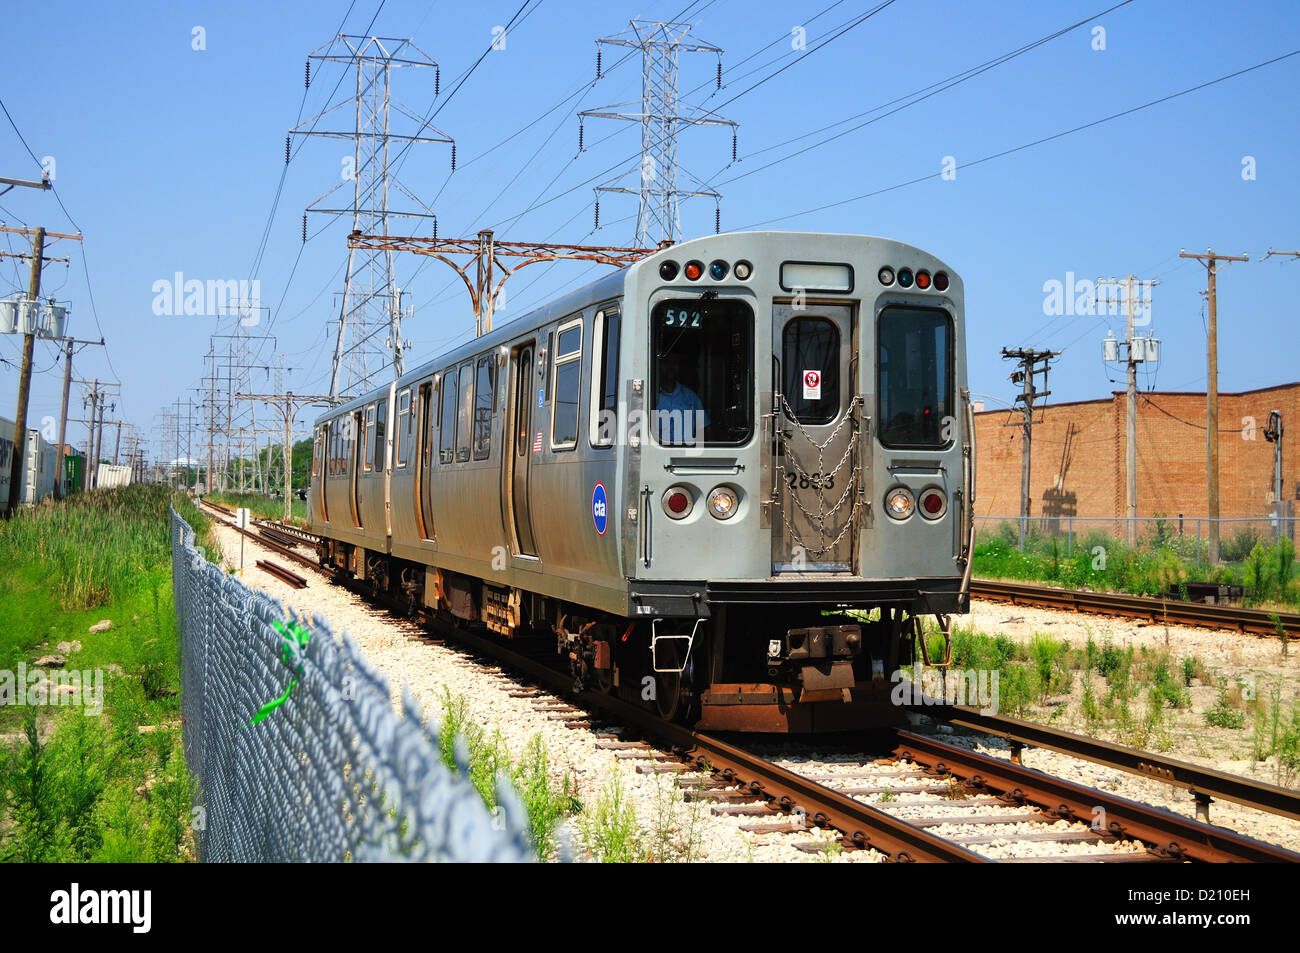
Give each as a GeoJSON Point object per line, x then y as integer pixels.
{"type": "Point", "coordinates": [658, 217]}
{"type": "Point", "coordinates": [371, 300]}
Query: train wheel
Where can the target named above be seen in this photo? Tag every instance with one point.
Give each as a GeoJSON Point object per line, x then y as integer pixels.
{"type": "Point", "coordinates": [675, 695]}
{"type": "Point", "coordinates": [668, 695]}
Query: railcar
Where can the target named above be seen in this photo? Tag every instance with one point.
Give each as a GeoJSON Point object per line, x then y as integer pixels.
{"type": "Point", "coordinates": [39, 472]}
{"type": "Point", "coordinates": [728, 480]}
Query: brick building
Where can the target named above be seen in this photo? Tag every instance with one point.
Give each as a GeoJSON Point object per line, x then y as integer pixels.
{"type": "Point", "coordinates": [1078, 456]}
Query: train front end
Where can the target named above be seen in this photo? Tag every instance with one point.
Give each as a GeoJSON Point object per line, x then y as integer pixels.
{"type": "Point", "coordinates": [797, 476]}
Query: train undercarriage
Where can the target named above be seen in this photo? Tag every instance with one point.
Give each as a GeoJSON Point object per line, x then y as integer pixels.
{"type": "Point", "coordinates": [748, 668]}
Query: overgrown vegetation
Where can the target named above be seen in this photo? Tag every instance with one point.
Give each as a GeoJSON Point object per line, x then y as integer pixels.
{"type": "Point", "coordinates": [608, 828]}
{"type": "Point", "coordinates": [486, 757]}
{"type": "Point", "coordinates": [104, 779]}
{"type": "Point", "coordinates": [1164, 562]}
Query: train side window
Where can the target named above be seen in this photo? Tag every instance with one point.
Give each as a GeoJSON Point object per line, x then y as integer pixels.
{"type": "Point", "coordinates": [484, 407]}
{"type": "Point", "coordinates": [333, 462]}
{"type": "Point", "coordinates": [369, 442]}
{"type": "Point", "coordinates": [465, 424]}
{"type": "Point", "coordinates": [522, 402]}
{"type": "Point", "coordinates": [402, 438]}
{"type": "Point", "coordinates": [381, 434]}
{"type": "Point", "coordinates": [541, 364]}
{"type": "Point", "coordinates": [447, 418]}
{"type": "Point", "coordinates": [811, 344]}
{"type": "Point", "coordinates": [604, 378]}
{"type": "Point", "coordinates": [568, 377]}
{"type": "Point", "coordinates": [315, 452]}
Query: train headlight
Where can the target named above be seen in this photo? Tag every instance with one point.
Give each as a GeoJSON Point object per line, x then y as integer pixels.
{"type": "Point", "coordinates": [886, 276]}
{"type": "Point", "coordinates": [899, 503]}
{"type": "Point", "coordinates": [743, 270]}
{"type": "Point", "coordinates": [668, 270]}
{"type": "Point", "coordinates": [678, 502]}
{"type": "Point", "coordinates": [718, 270]}
{"type": "Point", "coordinates": [933, 503]}
{"type": "Point", "coordinates": [723, 503]}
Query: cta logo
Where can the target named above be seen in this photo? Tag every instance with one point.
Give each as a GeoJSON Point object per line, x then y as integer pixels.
{"type": "Point", "coordinates": [599, 508]}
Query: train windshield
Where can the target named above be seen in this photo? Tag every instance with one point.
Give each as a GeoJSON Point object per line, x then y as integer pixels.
{"type": "Point", "coordinates": [915, 377]}
{"type": "Point", "coordinates": [703, 372]}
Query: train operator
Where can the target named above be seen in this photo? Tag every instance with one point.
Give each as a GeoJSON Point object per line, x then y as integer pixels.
{"type": "Point", "coordinates": [679, 413]}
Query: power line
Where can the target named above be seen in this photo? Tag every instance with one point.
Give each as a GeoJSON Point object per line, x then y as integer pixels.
{"type": "Point", "coordinates": [1030, 145]}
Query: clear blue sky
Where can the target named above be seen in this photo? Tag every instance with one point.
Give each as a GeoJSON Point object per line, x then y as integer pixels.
{"type": "Point", "coordinates": [169, 159]}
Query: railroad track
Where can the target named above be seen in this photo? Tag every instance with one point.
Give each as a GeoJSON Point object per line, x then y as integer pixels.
{"type": "Point", "coordinates": [285, 549]}
{"type": "Point", "coordinates": [1203, 784]}
{"type": "Point", "coordinates": [778, 797]}
{"type": "Point", "coordinates": [1158, 611]}
{"type": "Point", "coordinates": [932, 802]}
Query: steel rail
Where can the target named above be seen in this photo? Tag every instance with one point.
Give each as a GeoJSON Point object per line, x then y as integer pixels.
{"type": "Point", "coordinates": [285, 551]}
{"type": "Point", "coordinates": [1201, 782]}
{"type": "Point", "coordinates": [1172, 836]}
{"type": "Point", "coordinates": [1158, 611]}
{"type": "Point", "coordinates": [859, 823]}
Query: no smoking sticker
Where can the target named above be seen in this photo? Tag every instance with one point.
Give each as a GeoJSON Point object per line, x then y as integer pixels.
{"type": "Point", "coordinates": [812, 385]}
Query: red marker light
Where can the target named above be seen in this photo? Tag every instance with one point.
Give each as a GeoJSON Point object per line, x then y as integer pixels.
{"type": "Point", "coordinates": [923, 279]}
{"type": "Point", "coordinates": [693, 270]}
{"type": "Point", "coordinates": [932, 503]}
{"type": "Point", "coordinates": [940, 281]}
{"type": "Point", "coordinates": [678, 502]}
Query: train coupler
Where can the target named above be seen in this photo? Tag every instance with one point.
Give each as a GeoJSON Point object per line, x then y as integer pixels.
{"type": "Point", "coordinates": [819, 658]}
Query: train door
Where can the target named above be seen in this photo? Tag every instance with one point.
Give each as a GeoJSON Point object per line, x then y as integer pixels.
{"type": "Point", "coordinates": [424, 456]}
{"type": "Point", "coordinates": [357, 452]}
{"type": "Point", "coordinates": [816, 451]}
{"type": "Point", "coordinates": [321, 470]}
{"type": "Point", "coordinates": [522, 420]}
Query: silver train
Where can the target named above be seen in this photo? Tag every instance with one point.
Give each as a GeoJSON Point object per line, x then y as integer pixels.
{"type": "Point", "coordinates": [39, 472]}
{"type": "Point", "coordinates": [727, 480]}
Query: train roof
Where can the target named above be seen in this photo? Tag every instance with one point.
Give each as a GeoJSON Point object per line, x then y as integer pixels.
{"type": "Point", "coordinates": [602, 289]}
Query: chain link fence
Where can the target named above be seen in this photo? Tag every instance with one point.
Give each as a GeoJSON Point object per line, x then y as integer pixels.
{"type": "Point", "coordinates": [330, 772]}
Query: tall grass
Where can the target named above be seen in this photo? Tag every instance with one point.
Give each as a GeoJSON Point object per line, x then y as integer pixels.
{"type": "Point", "coordinates": [75, 786]}
{"type": "Point", "coordinates": [1164, 563]}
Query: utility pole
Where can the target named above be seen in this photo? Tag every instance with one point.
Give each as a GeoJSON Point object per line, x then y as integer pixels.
{"type": "Point", "coordinates": [1137, 350]}
{"type": "Point", "coordinates": [32, 326]}
{"type": "Point", "coordinates": [63, 413]}
{"type": "Point", "coordinates": [19, 463]}
{"type": "Point", "coordinates": [1211, 262]}
{"type": "Point", "coordinates": [63, 417]}
{"type": "Point", "coordinates": [1029, 361]}
{"type": "Point", "coordinates": [99, 439]}
{"type": "Point", "coordinates": [90, 435]}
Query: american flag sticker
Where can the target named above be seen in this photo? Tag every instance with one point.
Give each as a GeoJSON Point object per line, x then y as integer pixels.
{"type": "Point", "coordinates": [537, 444]}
